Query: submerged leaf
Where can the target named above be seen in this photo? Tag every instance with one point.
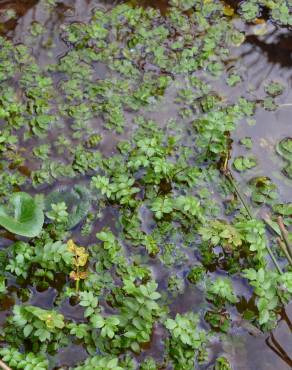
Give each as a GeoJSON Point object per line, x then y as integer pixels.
{"type": "Point", "coordinates": [77, 201]}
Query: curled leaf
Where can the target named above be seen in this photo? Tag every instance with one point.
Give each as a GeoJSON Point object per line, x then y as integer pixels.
{"type": "Point", "coordinates": [24, 216]}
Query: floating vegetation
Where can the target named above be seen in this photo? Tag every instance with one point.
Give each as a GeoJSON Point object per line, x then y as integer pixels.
{"type": "Point", "coordinates": [284, 149]}
{"type": "Point", "coordinates": [133, 235]}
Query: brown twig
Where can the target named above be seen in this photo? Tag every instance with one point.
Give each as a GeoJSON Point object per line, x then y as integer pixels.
{"type": "Point", "coordinates": [3, 366]}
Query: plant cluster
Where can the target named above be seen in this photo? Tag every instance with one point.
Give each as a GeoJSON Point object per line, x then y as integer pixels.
{"type": "Point", "coordinates": [180, 221]}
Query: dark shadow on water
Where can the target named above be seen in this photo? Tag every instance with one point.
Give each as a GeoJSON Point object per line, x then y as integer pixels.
{"type": "Point", "coordinates": [19, 7]}
{"type": "Point", "coordinates": [279, 51]}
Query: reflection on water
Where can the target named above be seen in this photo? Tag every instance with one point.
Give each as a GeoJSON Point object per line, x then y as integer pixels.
{"type": "Point", "coordinates": [267, 58]}
{"type": "Point", "coordinates": [44, 299]}
{"type": "Point", "coordinates": [264, 59]}
{"type": "Point", "coordinates": [158, 4]}
{"type": "Point", "coordinates": [12, 11]}
{"type": "Point", "coordinates": [69, 356]}
{"type": "Point", "coordinates": [261, 58]}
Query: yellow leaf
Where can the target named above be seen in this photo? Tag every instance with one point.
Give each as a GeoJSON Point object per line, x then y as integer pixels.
{"type": "Point", "coordinates": [259, 21]}
{"type": "Point", "coordinates": [81, 260]}
{"type": "Point", "coordinates": [78, 275]}
{"type": "Point", "coordinates": [74, 276]}
{"type": "Point", "coordinates": [81, 256]}
{"type": "Point", "coordinates": [80, 251]}
{"type": "Point", "coordinates": [71, 246]}
{"type": "Point", "coordinates": [83, 275]}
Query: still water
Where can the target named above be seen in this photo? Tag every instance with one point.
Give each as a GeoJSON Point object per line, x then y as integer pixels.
{"type": "Point", "coordinates": [259, 59]}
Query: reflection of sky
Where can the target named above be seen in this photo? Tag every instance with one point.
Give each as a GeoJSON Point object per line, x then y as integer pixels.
{"type": "Point", "coordinates": [51, 21]}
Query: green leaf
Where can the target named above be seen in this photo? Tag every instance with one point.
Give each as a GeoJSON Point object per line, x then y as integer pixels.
{"type": "Point", "coordinates": [244, 163]}
{"type": "Point", "coordinates": [43, 335]}
{"type": "Point", "coordinates": [170, 324]}
{"type": "Point", "coordinates": [27, 330]}
{"type": "Point", "coordinates": [97, 321]}
{"type": "Point", "coordinates": [135, 347]}
{"type": "Point", "coordinates": [28, 217]}
{"type": "Point", "coordinates": [274, 88]}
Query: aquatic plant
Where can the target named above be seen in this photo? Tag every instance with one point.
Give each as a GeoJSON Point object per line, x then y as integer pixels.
{"type": "Point", "coordinates": [164, 216]}
{"type": "Point", "coordinates": [23, 216]}
{"type": "Point", "coordinates": [279, 10]}
{"type": "Point", "coordinates": [68, 205]}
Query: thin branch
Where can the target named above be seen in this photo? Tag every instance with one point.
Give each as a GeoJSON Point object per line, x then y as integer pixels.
{"type": "Point", "coordinates": [244, 203]}
{"type": "Point", "coordinates": [284, 233]}
{"type": "Point", "coordinates": [273, 228]}
{"type": "Point", "coordinates": [284, 249]}
{"type": "Point", "coordinates": [3, 366]}
{"type": "Point", "coordinates": [274, 259]}
{"type": "Point", "coordinates": [277, 348]}
{"type": "Point", "coordinates": [280, 242]}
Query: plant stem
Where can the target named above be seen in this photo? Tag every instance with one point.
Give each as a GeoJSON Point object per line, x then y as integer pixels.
{"type": "Point", "coordinates": [4, 366]}
{"type": "Point", "coordinates": [78, 280]}
{"type": "Point", "coordinates": [244, 203]}
{"type": "Point", "coordinates": [284, 233]}
{"type": "Point", "coordinates": [274, 259]}
{"type": "Point", "coordinates": [284, 249]}
{"type": "Point", "coordinates": [269, 223]}
{"type": "Point", "coordinates": [285, 105]}
{"type": "Point", "coordinates": [280, 242]}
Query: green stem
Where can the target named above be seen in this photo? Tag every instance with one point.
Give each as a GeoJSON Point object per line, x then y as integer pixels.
{"type": "Point", "coordinates": [78, 280]}
{"type": "Point", "coordinates": [284, 234]}
{"type": "Point", "coordinates": [274, 259]}
{"type": "Point", "coordinates": [284, 249]}
{"type": "Point", "coordinates": [77, 287]}
{"type": "Point", "coordinates": [267, 220]}
{"type": "Point", "coordinates": [280, 242]}
{"type": "Point", "coordinates": [244, 203]}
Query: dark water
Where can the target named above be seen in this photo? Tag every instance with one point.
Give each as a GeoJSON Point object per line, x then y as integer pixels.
{"type": "Point", "coordinates": [268, 57]}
